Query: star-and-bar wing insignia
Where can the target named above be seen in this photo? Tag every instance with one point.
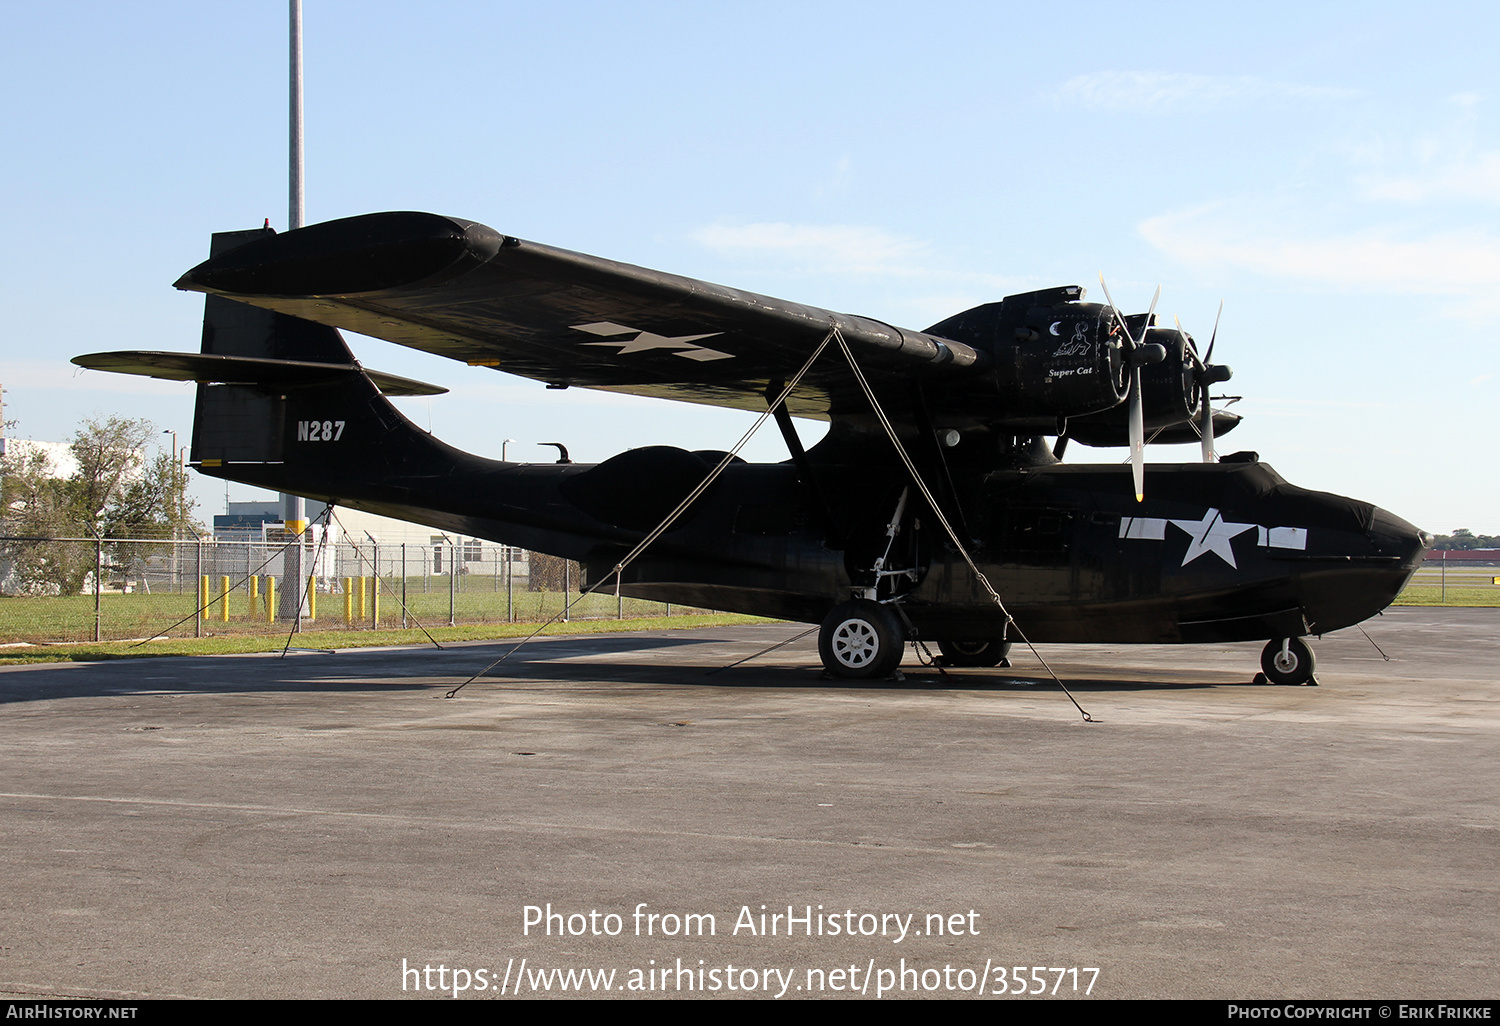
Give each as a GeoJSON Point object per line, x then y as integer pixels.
{"type": "Point", "coordinates": [461, 290]}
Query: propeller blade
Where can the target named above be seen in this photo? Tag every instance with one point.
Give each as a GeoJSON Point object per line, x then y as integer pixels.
{"type": "Point", "coordinates": [1209, 456]}
{"type": "Point", "coordinates": [1205, 423]}
{"type": "Point", "coordinates": [1137, 410]}
{"type": "Point", "coordinates": [1137, 436]}
{"type": "Point", "coordinates": [1116, 310]}
{"type": "Point", "coordinates": [1121, 317]}
{"type": "Point", "coordinates": [1149, 312]}
{"type": "Point", "coordinates": [1191, 346]}
{"type": "Point", "coordinates": [1209, 356]}
{"type": "Point", "coordinates": [1206, 426]}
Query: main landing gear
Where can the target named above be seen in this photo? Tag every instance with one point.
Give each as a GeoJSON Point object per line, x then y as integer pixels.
{"type": "Point", "coordinates": [1287, 661]}
{"type": "Point", "coordinates": [864, 639]}
{"type": "Point", "coordinates": [975, 652]}
{"type": "Point", "coordinates": [861, 640]}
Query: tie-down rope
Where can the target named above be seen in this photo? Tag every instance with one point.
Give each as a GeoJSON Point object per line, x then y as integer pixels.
{"type": "Point", "coordinates": [671, 517]}
{"type": "Point", "coordinates": [947, 527]}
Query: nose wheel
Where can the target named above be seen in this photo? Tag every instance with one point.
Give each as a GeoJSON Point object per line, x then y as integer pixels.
{"type": "Point", "coordinates": [1287, 661]}
{"type": "Point", "coordinates": [861, 640]}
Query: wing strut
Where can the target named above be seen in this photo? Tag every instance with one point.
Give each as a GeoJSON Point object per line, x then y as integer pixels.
{"type": "Point", "coordinates": [682, 507]}
{"type": "Point", "coordinates": [799, 457]}
{"type": "Point", "coordinates": [935, 451]}
{"type": "Point", "coordinates": [947, 527]}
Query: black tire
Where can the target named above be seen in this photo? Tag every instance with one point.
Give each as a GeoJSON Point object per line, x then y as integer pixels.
{"type": "Point", "coordinates": [861, 640]}
{"type": "Point", "coordinates": [1297, 666]}
{"type": "Point", "coordinates": [974, 652]}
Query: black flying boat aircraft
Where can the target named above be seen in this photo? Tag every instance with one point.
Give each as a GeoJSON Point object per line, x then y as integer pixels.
{"type": "Point", "coordinates": [933, 509]}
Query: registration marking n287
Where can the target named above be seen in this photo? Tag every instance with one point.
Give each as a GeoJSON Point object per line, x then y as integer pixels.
{"type": "Point", "coordinates": [319, 430]}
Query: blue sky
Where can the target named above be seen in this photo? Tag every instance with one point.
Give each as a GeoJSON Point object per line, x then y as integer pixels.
{"type": "Point", "coordinates": [1331, 171]}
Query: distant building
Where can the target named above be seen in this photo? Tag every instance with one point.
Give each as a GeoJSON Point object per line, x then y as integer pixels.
{"type": "Point", "coordinates": [422, 550]}
{"type": "Point", "coordinates": [247, 521]}
{"type": "Point", "coordinates": [60, 459]}
{"type": "Point", "coordinates": [1463, 556]}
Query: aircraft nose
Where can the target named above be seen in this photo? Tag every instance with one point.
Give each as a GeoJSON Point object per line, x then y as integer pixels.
{"type": "Point", "coordinates": [1396, 537]}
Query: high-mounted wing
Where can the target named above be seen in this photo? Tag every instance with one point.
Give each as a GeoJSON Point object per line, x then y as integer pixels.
{"type": "Point", "coordinates": [461, 290]}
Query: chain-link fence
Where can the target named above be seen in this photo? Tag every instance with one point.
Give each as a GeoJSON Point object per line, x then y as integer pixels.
{"type": "Point", "coordinates": [83, 589]}
{"type": "Point", "coordinates": [1448, 578]}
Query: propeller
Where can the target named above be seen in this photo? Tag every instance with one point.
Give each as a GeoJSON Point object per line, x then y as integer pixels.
{"type": "Point", "coordinates": [1207, 373]}
{"type": "Point", "coordinates": [1138, 353]}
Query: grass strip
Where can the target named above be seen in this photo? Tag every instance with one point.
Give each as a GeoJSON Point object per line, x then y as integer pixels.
{"type": "Point", "coordinates": [236, 644]}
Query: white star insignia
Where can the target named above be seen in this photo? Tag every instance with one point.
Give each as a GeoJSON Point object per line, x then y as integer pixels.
{"type": "Point", "coordinates": [648, 340]}
{"type": "Point", "coordinates": [1211, 534]}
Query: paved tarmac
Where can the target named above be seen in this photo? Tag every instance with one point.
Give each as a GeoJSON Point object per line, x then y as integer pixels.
{"type": "Point", "coordinates": [308, 827]}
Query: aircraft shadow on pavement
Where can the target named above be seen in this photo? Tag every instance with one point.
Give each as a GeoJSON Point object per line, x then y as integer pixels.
{"type": "Point", "coordinates": [346, 670]}
{"type": "Point", "coordinates": [577, 662]}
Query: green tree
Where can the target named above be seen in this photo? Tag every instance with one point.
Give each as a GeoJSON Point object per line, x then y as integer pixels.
{"type": "Point", "coordinates": [116, 492]}
{"type": "Point", "coordinates": [37, 510]}
{"type": "Point", "coordinates": [32, 497]}
{"type": "Point", "coordinates": [1463, 539]}
{"type": "Point", "coordinates": [110, 465]}
{"type": "Point", "coordinates": [153, 504]}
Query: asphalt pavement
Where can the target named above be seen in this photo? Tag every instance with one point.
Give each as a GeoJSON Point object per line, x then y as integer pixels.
{"type": "Point", "coordinates": [604, 815]}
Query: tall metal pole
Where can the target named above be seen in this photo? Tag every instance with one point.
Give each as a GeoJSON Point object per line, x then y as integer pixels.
{"type": "Point", "coordinates": [296, 211]}
{"type": "Point", "coordinates": [294, 507]}
{"type": "Point", "coordinates": [175, 504]}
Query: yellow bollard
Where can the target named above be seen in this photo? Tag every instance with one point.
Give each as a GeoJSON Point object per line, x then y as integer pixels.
{"type": "Point", "coordinates": [254, 595]}
{"type": "Point", "coordinates": [224, 599]}
{"type": "Point", "coordinates": [270, 599]}
{"type": "Point", "coordinates": [312, 596]}
{"type": "Point", "coordinates": [362, 600]}
{"type": "Point", "coordinates": [203, 593]}
{"type": "Point", "coordinates": [349, 601]}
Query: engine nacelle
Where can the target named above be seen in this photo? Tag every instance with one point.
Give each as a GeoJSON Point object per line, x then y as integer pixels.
{"type": "Point", "coordinates": [1169, 395]}
{"type": "Point", "coordinates": [1054, 356]}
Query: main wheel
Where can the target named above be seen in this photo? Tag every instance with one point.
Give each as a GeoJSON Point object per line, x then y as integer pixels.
{"type": "Point", "coordinates": [860, 640]}
{"type": "Point", "coordinates": [1292, 666]}
{"type": "Point", "coordinates": [975, 652]}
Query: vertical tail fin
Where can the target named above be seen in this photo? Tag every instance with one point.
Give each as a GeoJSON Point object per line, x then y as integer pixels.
{"type": "Point", "coordinates": [293, 385]}
{"type": "Point", "coordinates": [283, 404]}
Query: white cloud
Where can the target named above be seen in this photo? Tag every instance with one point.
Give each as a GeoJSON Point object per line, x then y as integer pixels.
{"type": "Point", "coordinates": [836, 247]}
{"type": "Point", "coordinates": [1461, 262]}
{"type": "Point", "coordinates": [861, 250]}
{"type": "Point", "coordinates": [1472, 178]}
{"type": "Point", "coordinates": [905, 277]}
{"type": "Point", "coordinates": [1160, 92]}
{"type": "Point", "coordinates": [1447, 161]}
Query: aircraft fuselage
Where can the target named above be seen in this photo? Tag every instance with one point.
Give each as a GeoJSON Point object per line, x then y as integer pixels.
{"type": "Point", "coordinates": [1217, 552]}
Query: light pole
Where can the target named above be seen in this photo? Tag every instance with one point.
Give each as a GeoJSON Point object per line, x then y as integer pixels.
{"type": "Point", "coordinates": [294, 507]}
{"type": "Point", "coordinates": [172, 506]}
{"type": "Point", "coordinates": [173, 512]}
{"type": "Point", "coordinates": [503, 444]}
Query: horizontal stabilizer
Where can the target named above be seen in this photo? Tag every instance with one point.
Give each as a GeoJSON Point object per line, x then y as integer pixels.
{"type": "Point", "coordinates": [244, 370]}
